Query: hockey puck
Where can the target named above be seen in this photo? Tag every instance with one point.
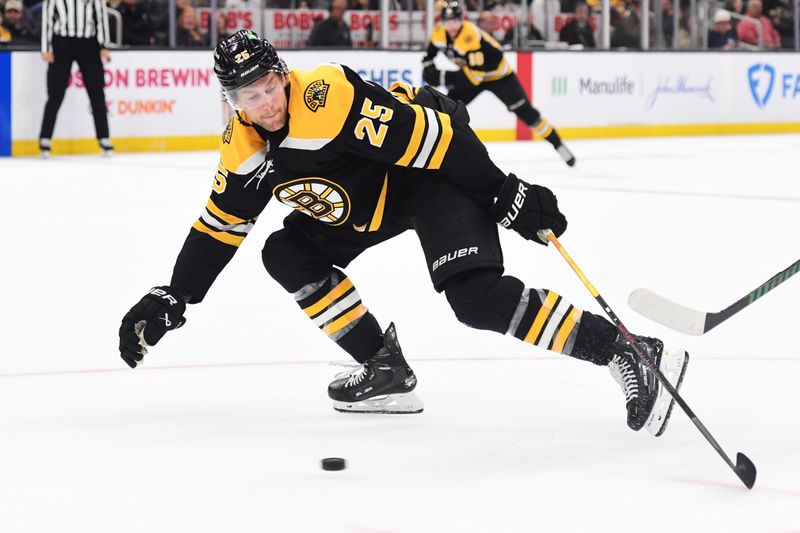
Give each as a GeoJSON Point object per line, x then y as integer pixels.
{"type": "Point", "coordinates": [333, 463]}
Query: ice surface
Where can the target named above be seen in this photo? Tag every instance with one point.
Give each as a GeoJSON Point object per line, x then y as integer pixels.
{"type": "Point", "coordinates": [224, 427]}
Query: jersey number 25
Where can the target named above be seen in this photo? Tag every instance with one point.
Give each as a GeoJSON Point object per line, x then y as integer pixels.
{"type": "Point", "coordinates": [366, 126]}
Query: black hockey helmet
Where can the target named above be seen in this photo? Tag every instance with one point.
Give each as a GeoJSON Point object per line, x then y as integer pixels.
{"type": "Point", "coordinates": [243, 58]}
{"type": "Point", "coordinates": [452, 11]}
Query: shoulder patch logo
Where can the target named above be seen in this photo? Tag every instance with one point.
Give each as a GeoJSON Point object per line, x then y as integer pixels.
{"type": "Point", "coordinates": [228, 133]}
{"type": "Point", "coordinates": [315, 94]}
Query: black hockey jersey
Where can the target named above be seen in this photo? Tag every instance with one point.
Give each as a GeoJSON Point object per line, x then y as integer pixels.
{"type": "Point", "coordinates": [478, 54]}
{"type": "Point", "coordinates": [332, 161]}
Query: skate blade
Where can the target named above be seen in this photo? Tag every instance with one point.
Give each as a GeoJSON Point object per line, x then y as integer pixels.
{"type": "Point", "coordinates": [673, 366]}
{"type": "Point", "coordinates": [390, 404]}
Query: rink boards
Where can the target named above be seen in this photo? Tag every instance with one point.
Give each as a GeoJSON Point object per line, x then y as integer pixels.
{"type": "Point", "coordinates": [170, 100]}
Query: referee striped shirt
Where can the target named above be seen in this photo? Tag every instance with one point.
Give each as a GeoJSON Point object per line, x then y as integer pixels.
{"type": "Point", "coordinates": [74, 18]}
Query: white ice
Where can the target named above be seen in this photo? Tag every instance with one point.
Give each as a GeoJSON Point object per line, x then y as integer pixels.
{"type": "Point", "coordinates": [224, 427]}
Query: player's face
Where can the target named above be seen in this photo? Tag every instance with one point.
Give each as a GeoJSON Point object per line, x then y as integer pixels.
{"type": "Point", "coordinates": [264, 101]}
{"type": "Point", "coordinates": [452, 27]}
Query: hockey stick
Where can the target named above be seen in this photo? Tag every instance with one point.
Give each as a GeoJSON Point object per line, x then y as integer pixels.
{"type": "Point", "coordinates": [693, 322]}
{"type": "Point", "coordinates": [744, 467]}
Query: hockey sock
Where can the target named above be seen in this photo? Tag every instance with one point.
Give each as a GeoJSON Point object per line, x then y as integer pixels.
{"type": "Point", "coordinates": [543, 128]}
{"type": "Point", "coordinates": [333, 304]}
{"type": "Point", "coordinates": [547, 320]}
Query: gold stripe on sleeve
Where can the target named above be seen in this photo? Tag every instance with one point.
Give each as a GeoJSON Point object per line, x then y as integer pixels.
{"type": "Point", "coordinates": [444, 141]}
{"type": "Point", "coordinates": [221, 236]}
{"type": "Point", "coordinates": [222, 215]}
{"type": "Point", "coordinates": [416, 137]}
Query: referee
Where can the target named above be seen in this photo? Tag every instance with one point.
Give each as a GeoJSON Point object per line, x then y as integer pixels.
{"type": "Point", "coordinates": [75, 30]}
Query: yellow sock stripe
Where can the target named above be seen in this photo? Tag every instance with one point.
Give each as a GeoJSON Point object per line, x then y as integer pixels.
{"type": "Point", "coordinates": [222, 215]}
{"type": "Point", "coordinates": [221, 236]}
{"type": "Point", "coordinates": [344, 320]}
{"type": "Point", "coordinates": [544, 128]}
{"type": "Point", "coordinates": [444, 141]}
{"type": "Point", "coordinates": [416, 137]}
{"type": "Point", "coordinates": [541, 317]}
{"type": "Point", "coordinates": [329, 298]}
{"type": "Point", "coordinates": [377, 217]}
{"type": "Point", "coordinates": [566, 329]}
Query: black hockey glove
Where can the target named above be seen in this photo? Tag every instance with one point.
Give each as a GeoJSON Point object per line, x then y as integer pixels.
{"type": "Point", "coordinates": [528, 208]}
{"type": "Point", "coordinates": [432, 75]}
{"type": "Point", "coordinates": [159, 311]}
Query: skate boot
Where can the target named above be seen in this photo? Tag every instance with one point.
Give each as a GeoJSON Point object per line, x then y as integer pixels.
{"type": "Point", "coordinates": [565, 154]}
{"type": "Point", "coordinates": [648, 403]}
{"type": "Point", "coordinates": [384, 383]}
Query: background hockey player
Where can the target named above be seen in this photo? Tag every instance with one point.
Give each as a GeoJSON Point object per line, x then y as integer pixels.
{"type": "Point", "coordinates": [360, 165]}
{"type": "Point", "coordinates": [483, 67]}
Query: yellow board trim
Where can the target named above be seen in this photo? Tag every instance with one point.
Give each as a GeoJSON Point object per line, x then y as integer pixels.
{"type": "Point", "coordinates": [221, 236]}
{"type": "Point", "coordinates": [444, 142]}
{"type": "Point", "coordinates": [121, 144]}
{"type": "Point", "coordinates": [541, 317]}
{"type": "Point", "coordinates": [329, 298]}
{"type": "Point", "coordinates": [566, 329]}
{"type": "Point", "coordinates": [416, 137]}
{"type": "Point", "coordinates": [22, 148]}
{"type": "Point", "coordinates": [344, 320]}
{"type": "Point", "coordinates": [377, 218]}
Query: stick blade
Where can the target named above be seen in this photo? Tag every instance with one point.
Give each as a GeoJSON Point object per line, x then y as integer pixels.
{"type": "Point", "coordinates": [667, 313]}
{"type": "Point", "coordinates": [746, 470]}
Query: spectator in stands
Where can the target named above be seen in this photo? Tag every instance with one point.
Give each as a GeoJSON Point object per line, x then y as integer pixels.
{"type": "Point", "coordinates": [747, 30]}
{"type": "Point", "coordinates": [721, 36]}
{"type": "Point", "coordinates": [222, 26]}
{"type": "Point", "coordinates": [187, 33]}
{"type": "Point", "coordinates": [332, 31]}
{"type": "Point", "coordinates": [486, 22]}
{"type": "Point", "coordinates": [627, 32]}
{"type": "Point", "coordinates": [17, 32]}
{"type": "Point", "coordinates": [137, 24]}
{"type": "Point", "coordinates": [577, 30]}
{"type": "Point", "coordinates": [510, 38]}
{"type": "Point", "coordinates": [783, 22]}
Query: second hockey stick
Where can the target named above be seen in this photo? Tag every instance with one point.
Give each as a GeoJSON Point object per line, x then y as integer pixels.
{"type": "Point", "coordinates": [744, 467]}
{"type": "Point", "coordinates": [693, 322]}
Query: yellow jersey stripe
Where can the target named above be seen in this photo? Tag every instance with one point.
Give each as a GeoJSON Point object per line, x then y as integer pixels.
{"type": "Point", "coordinates": [416, 137]}
{"type": "Point", "coordinates": [444, 141]}
{"type": "Point", "coordinates": [344, 320]}
{"type": "Point", "coordinates": [541, 317]}
{"type": "Point", "coordinates": [329, 298]}
{"type": "Point", "coordinates": [221, 236]}
{"type": "Point", "coordinates": [566, 329]}
{"type": "Point", "coordinates": [377, 218]}
{"type": "Point", "coordinates": [475, 77]}
{"type": "Point", "coordinates": [222, 215]}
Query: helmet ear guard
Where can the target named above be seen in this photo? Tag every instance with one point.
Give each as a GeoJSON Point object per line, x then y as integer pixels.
{"type": "Point", "coordinates": [243, 58]}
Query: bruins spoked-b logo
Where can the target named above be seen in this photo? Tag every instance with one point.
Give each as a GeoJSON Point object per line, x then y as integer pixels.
{"type": "Point", "coordinates": [319, 198]}
{"type": "Point", "coordinates": [315, 94]}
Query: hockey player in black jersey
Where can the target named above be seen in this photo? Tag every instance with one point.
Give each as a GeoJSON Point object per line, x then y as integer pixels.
{"type": "Point", "coordinates": [483, 67]}
{"type": "Point", "coordinates": [360, 165]}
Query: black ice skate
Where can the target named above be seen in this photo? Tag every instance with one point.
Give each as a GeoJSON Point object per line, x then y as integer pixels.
{"type": "Point", "coordinates": [648, 403]}
{"type": "Point", "coordinates": [384, 383]}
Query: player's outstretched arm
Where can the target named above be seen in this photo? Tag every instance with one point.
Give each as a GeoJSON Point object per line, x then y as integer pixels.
{"type": "Point", "coordinates": [159, 311]}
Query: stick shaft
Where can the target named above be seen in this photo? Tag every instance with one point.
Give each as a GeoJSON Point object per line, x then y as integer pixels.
{"type": "Point", "coordinates": [549, 236]}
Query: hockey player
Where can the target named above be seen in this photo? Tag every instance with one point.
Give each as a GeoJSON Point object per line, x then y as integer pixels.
{"type": "Point", "coordinates": [360, 165]}
{"type": "Point", "coordinates": [482, 68]}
